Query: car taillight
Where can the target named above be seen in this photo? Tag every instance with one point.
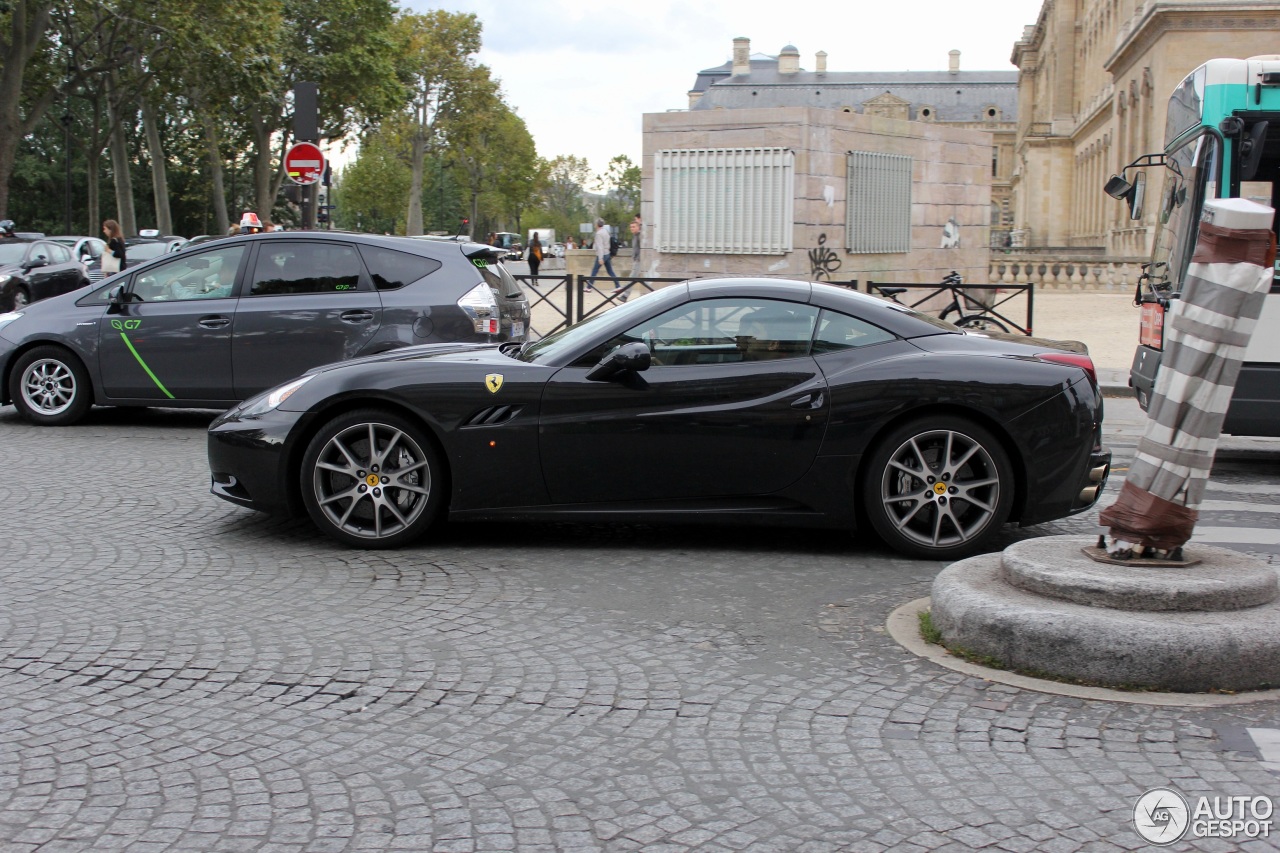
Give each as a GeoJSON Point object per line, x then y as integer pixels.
{"type": "Point", "coordinates": [482, 307]}
{"type": "Point", "coordinates": [1074, 359]}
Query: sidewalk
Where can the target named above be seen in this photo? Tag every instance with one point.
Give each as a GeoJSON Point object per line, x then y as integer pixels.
{"type": "Point", "coordinates": [1105, 322]}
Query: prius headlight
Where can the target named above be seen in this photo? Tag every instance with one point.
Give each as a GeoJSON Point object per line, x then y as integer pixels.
{"type": "Point", "coordinates": [272, 399]}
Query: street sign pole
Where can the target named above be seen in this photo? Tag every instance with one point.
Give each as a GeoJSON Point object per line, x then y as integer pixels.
{"type": "Point", "coordinates": [306, 128]}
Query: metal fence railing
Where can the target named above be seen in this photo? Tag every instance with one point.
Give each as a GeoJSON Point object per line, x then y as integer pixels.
{"type": "Point", "coordinates": [559, 301]}
{"type": "Point", "coordinates": [969, 305]}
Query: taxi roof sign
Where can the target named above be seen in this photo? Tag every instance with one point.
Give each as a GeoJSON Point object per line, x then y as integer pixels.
{"type": "Point", "coordinates": [304, 163]}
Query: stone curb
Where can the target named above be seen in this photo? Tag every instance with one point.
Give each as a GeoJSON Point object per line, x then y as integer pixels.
{"type": "Point", "coordinates": [904, 627]}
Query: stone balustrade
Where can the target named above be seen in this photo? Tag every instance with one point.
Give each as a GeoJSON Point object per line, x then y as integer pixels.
{"type": "Point", "coordinates": [1064, 272]}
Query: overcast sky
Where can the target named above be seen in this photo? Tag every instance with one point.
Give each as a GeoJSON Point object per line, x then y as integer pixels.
{"type": "Point", "coordinates": [581, 74]}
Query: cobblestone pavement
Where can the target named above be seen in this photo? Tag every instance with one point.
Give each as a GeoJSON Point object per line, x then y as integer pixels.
{"type": "Point", "coordinates": [179, 674]}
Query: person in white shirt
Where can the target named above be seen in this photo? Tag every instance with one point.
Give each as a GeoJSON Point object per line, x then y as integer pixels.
{"type": "Point", "coordinates": [601, 246]}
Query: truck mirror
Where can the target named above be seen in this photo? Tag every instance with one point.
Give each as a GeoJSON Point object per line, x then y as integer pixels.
{"type": "Point", "coordinates": [1137, 195]}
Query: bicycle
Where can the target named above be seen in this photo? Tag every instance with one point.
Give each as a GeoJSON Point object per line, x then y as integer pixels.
{"type": "Point", "coordinates": [960, 303]}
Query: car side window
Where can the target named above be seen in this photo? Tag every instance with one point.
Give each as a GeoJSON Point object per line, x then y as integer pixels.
{"type": "Point", "coordinates": [719, 331]}
{"type": "Point", "coordinates": [391, 270]}
{"type": "Point", "coordinates": [305, 266]}
{"type": "Point", "coordinates": [58, 254]}
{"type": "Point", "coordinates": [200, 275]}
{"type": "Point", "coordinates": [838, 332]}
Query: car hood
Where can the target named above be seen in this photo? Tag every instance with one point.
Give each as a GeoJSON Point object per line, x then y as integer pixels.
{"type": "Point", "coordinates": [418, 352]}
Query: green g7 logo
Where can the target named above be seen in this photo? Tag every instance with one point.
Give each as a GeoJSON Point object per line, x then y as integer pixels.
{"type": "Point", "coordinates": [121, 325]}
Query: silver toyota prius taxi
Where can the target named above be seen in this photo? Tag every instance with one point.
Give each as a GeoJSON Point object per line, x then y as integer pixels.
{"type": "Point", "coordinates": [214, 325]}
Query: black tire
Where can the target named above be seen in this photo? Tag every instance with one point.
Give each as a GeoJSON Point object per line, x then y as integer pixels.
{"type": "Point", "coordinates": [938, 487]}
{"type": "Point", "coordinates": [360, 497]}
{"type": "Point", "coordinates": [50, 387]}
{"type": "Point", "coordinates": [981, 323]}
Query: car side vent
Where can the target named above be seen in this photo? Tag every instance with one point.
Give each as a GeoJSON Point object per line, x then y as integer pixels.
{"type": "Point", "coordinates": [493, 416]}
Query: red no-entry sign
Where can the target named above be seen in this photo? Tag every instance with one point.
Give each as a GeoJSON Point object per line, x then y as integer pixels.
{"type": "Point", "coordinates": [304, 163]}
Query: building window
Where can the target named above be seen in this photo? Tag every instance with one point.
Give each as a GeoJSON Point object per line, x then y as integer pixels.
{"type": "Point", "coordinates": [878, 211]}
{"type": "Point", "coordinates": [728, 201]}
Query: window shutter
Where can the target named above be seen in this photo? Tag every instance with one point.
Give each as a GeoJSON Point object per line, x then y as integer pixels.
{"type": "Point", "coordinates": [730, 201]}
{"type": "Point", "coordinates": [878, 210]}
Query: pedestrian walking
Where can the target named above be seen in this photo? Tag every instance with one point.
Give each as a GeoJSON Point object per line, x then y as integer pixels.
{"type": "Point", "coordinates": [601, 245]}
{"type": "Point", "coordinates": [637, 228]}
{"type": "Point", "coordinates": [534, 255]}
{"type": "Point", "coordinates": [113, 260]}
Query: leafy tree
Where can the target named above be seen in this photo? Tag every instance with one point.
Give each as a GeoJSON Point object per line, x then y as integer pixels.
{"type": "Point", "coordinates": [621, 182]}
{"type": "Point", "coordinates": [367, 191]}
{"type": "Point", "coordinates": [437, 61]}
{"type": "Point", "coordinates": [24, 25]}
{"type": "Point", "coordinates": [344, 46]}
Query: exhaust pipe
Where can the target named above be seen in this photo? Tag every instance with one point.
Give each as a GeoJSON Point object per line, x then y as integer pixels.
{"type": "Point", "coordinates": [1088, 495]}
{"type": "Point", "coordinates": [1097, 475]}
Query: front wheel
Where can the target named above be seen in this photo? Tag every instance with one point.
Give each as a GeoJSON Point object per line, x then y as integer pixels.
{"type": "Point", "coordinates": [981, 323]}
{"type": "Point", "coordinates": [21, 298]}
{"type": "Point", "coordinates": [938, 487]}
{"type": "Point", "coordinates": [372, 479]}
{"type": "Point", "coordinates": [49, 386]}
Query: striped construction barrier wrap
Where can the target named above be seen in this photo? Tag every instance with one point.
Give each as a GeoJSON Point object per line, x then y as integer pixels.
{"type": "Point", "coordinates": [1206, 334]}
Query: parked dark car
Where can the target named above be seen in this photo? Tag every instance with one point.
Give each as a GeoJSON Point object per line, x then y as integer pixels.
{"type": "Point", "coordinates": [752, 400]}
{"type": "Point", "coordinates": [31, 270]}
{"type": "Point", "coordinates": [88, 251]}
{"type": "Point", "coordinates": [215, 325]}
{"type": "Point", "coordinates": [150, 244]}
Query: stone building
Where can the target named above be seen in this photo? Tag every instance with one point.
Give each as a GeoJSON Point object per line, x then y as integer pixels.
{"type": "Point", "coordinates": [1094, 82]}
{"type": "Point", "coordinates": [892, 176]}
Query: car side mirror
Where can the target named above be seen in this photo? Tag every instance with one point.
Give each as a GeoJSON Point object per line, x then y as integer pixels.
{"type": "Point", "coordinates": [38, 261]}
{"type": "Point", "coordinates": [117, 296]}
{"type": "Point", "coordinates": [632, 357]}
{"type": "Point", "coordinates": [1133, 193]}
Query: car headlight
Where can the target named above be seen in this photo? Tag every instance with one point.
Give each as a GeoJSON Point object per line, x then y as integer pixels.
{"type": "Point", "coordinates": [272, 399]}
{"type": "Point", "coordinates": [9, 316]}
{"type": "Point", "coordinates": [4, 279]}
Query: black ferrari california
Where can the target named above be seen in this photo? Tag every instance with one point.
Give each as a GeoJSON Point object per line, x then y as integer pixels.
{"type": "Point", "coordinates": [751, 400]}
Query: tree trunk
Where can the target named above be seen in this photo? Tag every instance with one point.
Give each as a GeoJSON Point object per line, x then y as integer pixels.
{"type": "Point", "coordinates": [263, 197]}
{"type": "Point", "coordinates": [159, 180]}
{"type": "Point", "coordinates": [28, 20]}
{"type": "Point", "coordinates": [221, 221]}
{"type": "Point", "coordinates": [92, 160]}
{"type": "Point", "coordinates": [119, 146]}
{"type": "Point", "coordinates": [413, 222]}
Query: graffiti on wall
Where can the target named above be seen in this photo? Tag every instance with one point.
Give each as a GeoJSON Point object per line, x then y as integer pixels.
{"type": "Point", "coordinates": [822, 261]}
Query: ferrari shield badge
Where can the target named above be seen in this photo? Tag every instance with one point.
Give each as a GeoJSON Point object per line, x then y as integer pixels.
{"type": "Point", "coordinates": [493, 382]}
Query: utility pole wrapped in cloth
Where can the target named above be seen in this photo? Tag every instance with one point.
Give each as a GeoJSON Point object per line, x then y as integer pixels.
{"type": "Point", "coordinates": [1205, 340]}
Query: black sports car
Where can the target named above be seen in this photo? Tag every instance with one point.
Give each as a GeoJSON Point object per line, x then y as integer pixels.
{"type": "Point", "coordinates": [754, 400]}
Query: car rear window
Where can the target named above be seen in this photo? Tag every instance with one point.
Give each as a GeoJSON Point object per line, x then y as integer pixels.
{"type": "Point", "coordinates": [305, 266]}
{"type": "Point", "coordinates": [392, 270]}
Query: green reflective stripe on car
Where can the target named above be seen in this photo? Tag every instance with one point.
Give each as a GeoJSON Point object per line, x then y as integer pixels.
{"type": "Point", "coordinates": [159, 384]}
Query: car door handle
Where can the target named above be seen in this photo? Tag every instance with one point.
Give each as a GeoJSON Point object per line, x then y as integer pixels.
{"type": "Point", "coordinates": [812, 400]}
{"type": "Point", "coordinates": [214, 322]}
{"type": "Point", "coordinates": [360, 316]}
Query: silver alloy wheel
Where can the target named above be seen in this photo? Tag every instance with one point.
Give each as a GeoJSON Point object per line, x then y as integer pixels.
{"type": "Point", "coordinates": [372, 480]}
{"type": "Point", "coordinates": [48, 386]}
{"type": "Point", "coordinates": [20, 299]}
{"type": "Point", "coordinates": [940, 488]}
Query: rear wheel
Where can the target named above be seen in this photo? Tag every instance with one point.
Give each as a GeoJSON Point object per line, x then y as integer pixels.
{"type": "Point", "coordinates": [938, 487]}
{"type": "Point", "coordinates": [372, 479]}
{"type": "Point", "coordinates": [21, 298]}
{"type": "Point", "coordinates": [49, 386]}
{"type": "Point", "coordinates": [981, 323]}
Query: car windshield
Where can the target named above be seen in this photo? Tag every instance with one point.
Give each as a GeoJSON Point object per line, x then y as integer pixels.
{"type": "Point", "coordinates": [11, 253]}
{"type": "Point", "coordinates": [552, 346]}
{"type": "Point", "coordinates": [144, 251]}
